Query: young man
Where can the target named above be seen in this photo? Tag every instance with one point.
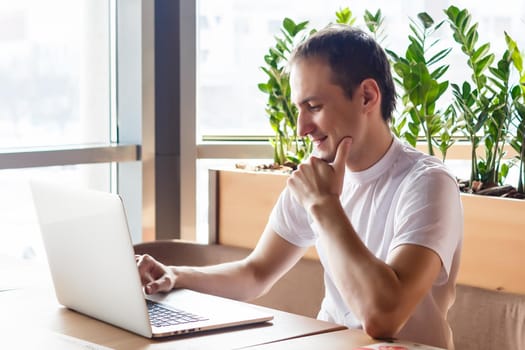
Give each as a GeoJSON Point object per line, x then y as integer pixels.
{"type": "Point", "coordinates": [386, 219]}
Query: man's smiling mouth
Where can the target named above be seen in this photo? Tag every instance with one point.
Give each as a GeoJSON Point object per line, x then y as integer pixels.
{"type": "Point", "coordinates": [317, 141]}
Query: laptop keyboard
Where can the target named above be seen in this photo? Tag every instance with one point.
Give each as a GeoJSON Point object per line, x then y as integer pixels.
{"type": "Point", "coordinates": [162, 316]}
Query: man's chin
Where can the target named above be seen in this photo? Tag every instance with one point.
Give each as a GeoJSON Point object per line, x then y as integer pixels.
{"type": "Point", "coordinates": [327, 157]}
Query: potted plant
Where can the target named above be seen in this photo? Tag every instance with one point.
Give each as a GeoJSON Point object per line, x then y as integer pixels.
{"type": "Point", "coordinates": [289, 148]}
{"type": "Point", "coordinates": [518, 97]}
{"type": "Point", "coordinates": [488, 110]}
{"type": "Point", "coordinates": [422, 89]}
{"type": "Point", "coordinates": [484, 103]}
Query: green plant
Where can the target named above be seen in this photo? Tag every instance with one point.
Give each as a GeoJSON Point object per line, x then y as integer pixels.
{"type": "Point", "coordinates": [422, 88]}
{"type": "Point", "coordinates": [497, 126]}
{"type": "Point", "coordinates": [288, 146]}
{"type": "Point", "coordinates": [345, 16]}
{"type": "Point", "coordinates": [518, 97]}
{"type": "Point", "coordinates": [374, 22]}
{"type": "Point", "coordinates": [472, 103]}
{"type": "Point", "coordinates": [487, 109]}
{"type": "Point", "coordinates": [484, 106]}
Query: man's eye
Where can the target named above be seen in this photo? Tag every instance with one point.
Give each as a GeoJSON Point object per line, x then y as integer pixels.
{"type": "Point", "coordinates": [314, 107]}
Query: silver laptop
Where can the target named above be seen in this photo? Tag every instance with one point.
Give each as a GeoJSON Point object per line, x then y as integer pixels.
{"type": "Point", "coordinates": [92, 263]}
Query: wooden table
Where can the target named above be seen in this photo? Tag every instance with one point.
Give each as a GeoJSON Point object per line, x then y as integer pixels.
{"type": "Point", "coordinates": [30, 315]}
{"type": "Point", "coordinates": [31, 318]}
{"type": "Point", "coordinates": [346, 339]}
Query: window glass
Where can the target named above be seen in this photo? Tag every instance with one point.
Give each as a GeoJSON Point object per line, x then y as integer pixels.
{"type": "Point", "coordinates": [54, 91]}
{"type": "Point", "coordinates": [234, 35]}
{"type": "Point", "coordinates": [19, 232]}
{"type": "Point", "coordinates": [54, 69]}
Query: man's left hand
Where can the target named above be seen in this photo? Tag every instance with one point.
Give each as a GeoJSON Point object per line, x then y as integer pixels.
{"type": "Point", "coordinates": [316, 179]}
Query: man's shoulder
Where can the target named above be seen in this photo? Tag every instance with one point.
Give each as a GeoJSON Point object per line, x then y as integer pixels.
{"type": "Point", "coordinates": [416, 164]}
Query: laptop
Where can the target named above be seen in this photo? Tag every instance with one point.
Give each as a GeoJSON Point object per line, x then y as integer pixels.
{"type": "Point", "coordinates": [92, 263]}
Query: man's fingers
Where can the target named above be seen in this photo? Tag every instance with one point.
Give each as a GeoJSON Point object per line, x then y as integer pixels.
{"type": "Point", "coordinates": [163, 284]}
{"type": "Point", "coordinates": [343, 149]}
{"type": "Point", "coordinates": [153, 275]}
{"type": "Point", "coordinates": [146, 265]}
{"type": "Point", "coordinates": [151, 288]}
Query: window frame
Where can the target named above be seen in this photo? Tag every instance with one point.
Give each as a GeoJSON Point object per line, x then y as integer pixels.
{"type": "Point", "coordinates": [127, 149]}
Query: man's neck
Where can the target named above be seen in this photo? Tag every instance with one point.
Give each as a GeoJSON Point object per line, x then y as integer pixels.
{"type": "Point", "coordinates": [373, 151]}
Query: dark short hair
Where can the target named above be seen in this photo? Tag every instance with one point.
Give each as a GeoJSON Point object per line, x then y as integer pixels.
{"type": "Point", "coordinates": [353, 56]}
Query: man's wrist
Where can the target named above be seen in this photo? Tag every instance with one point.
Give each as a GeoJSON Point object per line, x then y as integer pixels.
{"type": "Point", "coordinates": [324, 207]}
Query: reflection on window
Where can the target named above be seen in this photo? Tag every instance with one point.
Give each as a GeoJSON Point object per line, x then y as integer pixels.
{"type": "Point", "coordinates": [54, 70]}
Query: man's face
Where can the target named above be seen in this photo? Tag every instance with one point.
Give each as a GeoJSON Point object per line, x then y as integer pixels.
{"type": "Point", "coordinates": [326, 114]}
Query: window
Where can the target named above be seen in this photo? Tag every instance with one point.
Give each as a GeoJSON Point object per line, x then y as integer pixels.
{"type": "Point", "coordinates": [55, 73]}
{"type": "Point", "coordinates": [57, 107]}
{"type": "Point", "coordinates": [19, 231]}
{"type": "Point", "coordinates": [234, 35]}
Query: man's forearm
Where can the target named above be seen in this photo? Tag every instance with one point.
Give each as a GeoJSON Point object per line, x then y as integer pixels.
{"type": "Point", "coordinates": [233, 280]}
{"type": "Point", "coordinates": [368, 285]}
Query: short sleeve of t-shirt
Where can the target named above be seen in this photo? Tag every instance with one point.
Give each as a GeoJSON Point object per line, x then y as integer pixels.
{"type": "Point", "coordinates": [290, 221]}
{"type": "Point", "coordinates": [429, 213]}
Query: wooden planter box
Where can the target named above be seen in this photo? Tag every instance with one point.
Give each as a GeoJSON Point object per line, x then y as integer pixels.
{"type": "Point", "coordinates": [493, 254]}
{"type": "Point", "coordinates": [240, 204]}
{"type": "Point", "coordinates": [494, 233]}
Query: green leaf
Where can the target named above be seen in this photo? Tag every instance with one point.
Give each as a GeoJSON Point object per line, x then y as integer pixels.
{"type": "Point", "coordinates": [402, 69]}
{"type": "Point", "coordinates": [301, 26]}
{"type": "Point", "coordinates": [483, 64]}
{"type": "Point", "coordinates": [438, 73]}
{"type": "Point", "coordinates": [415, 31]}
{"type": "Point", "coordinates": [439, 56]}
{"type": "Point", "coordinates": [415, 53]}
{"type": "Point", "coordinates": [462, 20]}
{"type": "Point", "coordinates": [439, 25]}
{"type": "Point", "coordinates": [392, 55]}
{"type": "Point", "coordinates": [515, 92]}
{"type": "Point", "coordinates": [414, 127]}
{"type": "Point", "coordinates": [425, 19]}
{"type": "Point", "coordinates": [452, 12]}
{"type": "Point", "coordinates": [499, 74]}
{"type": "Point", "coordinates": [436, 91]}
{"type": "Point", "coordinates": [432, 92]}
{"type": "Point", "coordinates": [516, 56]}
{"type": "Point", "coordinates": [481, 51]}
{"type": "Point", "coordinates": [344, 16]}
{"type": "Point", "coordinates": [289, 25]}
{"type": "Point", "coordinates": [471, 39]}
{"type": "Point", "coordinates": [265, 88]}
{"type": "Point", "coordinates": [520, 109]}
{"type": "Point", "coordinates": [411, 139]}
{"type": "Point", "coordinates": [373, 21]}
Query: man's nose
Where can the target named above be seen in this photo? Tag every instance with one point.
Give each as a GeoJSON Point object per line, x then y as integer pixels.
{"type": "Point", "coordinates": [304, 124]}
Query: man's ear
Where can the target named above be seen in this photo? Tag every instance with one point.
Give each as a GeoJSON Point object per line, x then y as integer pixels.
{"type": "Point", "coordinates": [371, 93]}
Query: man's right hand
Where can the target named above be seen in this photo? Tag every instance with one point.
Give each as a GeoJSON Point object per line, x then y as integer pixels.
{"type": "Point", "coordinates": [155, 276]}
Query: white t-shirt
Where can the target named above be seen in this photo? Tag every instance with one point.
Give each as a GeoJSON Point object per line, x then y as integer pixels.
{"type": "Point", "coordinates": [407, 197]}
